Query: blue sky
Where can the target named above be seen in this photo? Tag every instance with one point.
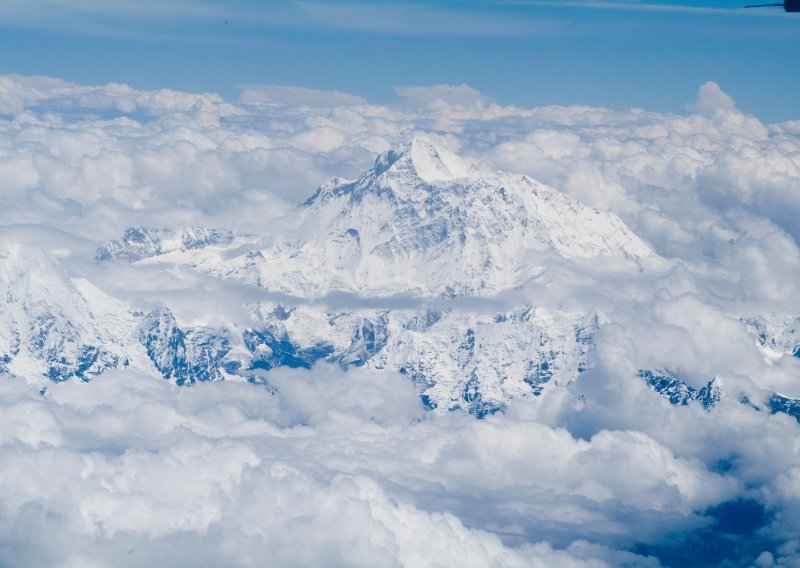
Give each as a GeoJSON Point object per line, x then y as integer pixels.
{"type": "Point", "coordinates": [616, 54]}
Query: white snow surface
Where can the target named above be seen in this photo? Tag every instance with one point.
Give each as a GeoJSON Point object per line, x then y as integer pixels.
{"type": "Point", "coordinates": [425, 222]}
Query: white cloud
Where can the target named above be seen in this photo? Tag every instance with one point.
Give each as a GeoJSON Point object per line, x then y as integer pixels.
{"type": "Point", "coordinates": [229, 474]}
{"type": "Point", "coordinates": [322, 473]}
{"type": "Point", "coordinates": [296, 96]}
{"type": "Point", "coordinates": [448, 94]}
{"type": "Point", "coordinates": [711, 98]}
{"type": "Point", "coordinates": [96, 159]}
{"type": "Point", "coordinates": [233, 475]}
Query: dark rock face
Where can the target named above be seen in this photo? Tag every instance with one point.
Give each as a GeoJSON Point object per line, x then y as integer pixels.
{"type": "Point", "coordinates": [790, 406]}
{"type": "Point", "coordinates": [678, 392]}
{"type": "Point", "coordinates": [271, 349]}
{"type": "Point", "coordinates": [368, 339]}
{"type": "Point", "coordinates": [186, 357]}
{"type": "Point", "coordinates": [473, 398]}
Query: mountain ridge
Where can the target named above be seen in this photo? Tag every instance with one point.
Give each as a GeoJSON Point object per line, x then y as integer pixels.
{"type": "Point", "coordinates": [421, 223]}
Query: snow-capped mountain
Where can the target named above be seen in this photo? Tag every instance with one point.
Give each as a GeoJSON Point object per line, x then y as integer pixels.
{"type": "Point", "coordinates": [56, 327]}
{"type": "Point", "coordinates": [423, 221]}
{"type": "Point", "coordinates": [421, 224]}
{"type": "Point", "coordinates": [678, 392]}
{"type": "Point", "coordinates": [458, 360]}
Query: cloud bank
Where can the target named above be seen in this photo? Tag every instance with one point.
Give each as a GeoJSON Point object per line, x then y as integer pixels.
{"type": "Point", "coordinates": [325, 472]}
{"type": "Point", "coordinates": [347, 468]}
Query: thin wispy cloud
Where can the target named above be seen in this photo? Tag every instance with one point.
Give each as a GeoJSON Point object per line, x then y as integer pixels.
{"type": "Point", "coordinates": [420, 19]}
{"type": "Point", "coordinates": [134, 21]}
{"type": "Point", "coordinates": [146, 10]}
{"type": "Point", "coordinates": [405, 19]}
{"type": "Point", "coordinates": [634, 6]}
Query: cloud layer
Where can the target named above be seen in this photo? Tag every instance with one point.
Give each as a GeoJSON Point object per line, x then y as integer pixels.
{"type": "Point", "coordinates": [323, 473]}
{"type": "Point", "coordinates": [347, 468]}
{"type": "Point", "coordinates": [326, 472]}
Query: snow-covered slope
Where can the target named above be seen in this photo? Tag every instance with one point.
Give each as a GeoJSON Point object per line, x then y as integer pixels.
{"type": "Point", "coordinates": [56, 327]}
{"type": "Point", "coordinates": [424, 221]}
{"type": "Point", "coordinates": [777, 334]}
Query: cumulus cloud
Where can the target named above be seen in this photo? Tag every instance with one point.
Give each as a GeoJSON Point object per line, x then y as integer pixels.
{"type": "Point", "coordinates": [348, 468]}
{"type": "Point", "coordinates": [673, 179]}
{"type": "Point", "coordinates": [241, 473]}
{"type": "Point", "coordinates": [711, 98]}
{"type": "Point", "coordinates": [324, 470]}
{"type": "Point", "coordinates": [237, 472]}
{"type": "Point", "coordinates": [716, 191]}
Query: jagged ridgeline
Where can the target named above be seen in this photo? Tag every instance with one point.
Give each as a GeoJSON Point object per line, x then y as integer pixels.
{"type": "Point", "coordinates": [414, 243]}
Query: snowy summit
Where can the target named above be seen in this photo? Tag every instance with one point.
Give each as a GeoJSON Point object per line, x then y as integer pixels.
{"type": "Point", "coordinates": [424, 220]}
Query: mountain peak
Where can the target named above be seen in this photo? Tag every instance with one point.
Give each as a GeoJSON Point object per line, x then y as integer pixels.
{"type": "Point", "coordinates": [422, 158]}
{"type": "Point", "coordinates": [401, 170]}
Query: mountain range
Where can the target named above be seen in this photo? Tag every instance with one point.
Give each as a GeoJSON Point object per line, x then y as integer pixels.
{"type": "Point", "coordinates": [421, 245]}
